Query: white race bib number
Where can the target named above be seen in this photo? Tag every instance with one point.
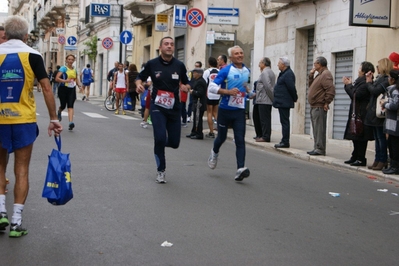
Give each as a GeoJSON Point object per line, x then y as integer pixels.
{"type": "Point", "coordinates": [237, 101]}
{"type": "Point", "coordinates": [71, 84]}
{"type": "Point", "coordinates": [165, 99]}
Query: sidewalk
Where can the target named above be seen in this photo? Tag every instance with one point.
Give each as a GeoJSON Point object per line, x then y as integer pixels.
{"type": "Point", "coordinates": [338, 151]}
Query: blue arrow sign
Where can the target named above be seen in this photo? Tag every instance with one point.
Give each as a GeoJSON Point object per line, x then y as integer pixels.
{"type": "Point", "coordinates": [126, 37]}
{"type": "Point", "coordinates": [72, 40]}
{"type": "Point", "coordinates": [219, 11]}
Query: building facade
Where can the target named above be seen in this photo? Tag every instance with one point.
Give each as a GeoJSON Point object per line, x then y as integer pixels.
{"type": "Point", "coordinates": [303, 30]}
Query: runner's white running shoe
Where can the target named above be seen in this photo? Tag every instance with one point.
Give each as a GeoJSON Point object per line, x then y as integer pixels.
{"type": "Point", "coordinates": [242, 173]}
{"type": "Point", "coordinates": [161, 177]}
{"type": "Point", "coordinates": [213, 160]}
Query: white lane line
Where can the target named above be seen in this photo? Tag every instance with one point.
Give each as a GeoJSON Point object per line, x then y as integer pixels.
{"type": "Point", "coordinates": [94, 115]}
{"type": "Point", "coordinates": [127, 117]}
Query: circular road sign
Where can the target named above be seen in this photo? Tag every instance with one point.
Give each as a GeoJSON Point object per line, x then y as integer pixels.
{"type": "Point", "coordinates": [194, 17]}
{"type": "Point", "coordinates": [61, 40]}
{"type": "Point", "coordinates": [107, 43]}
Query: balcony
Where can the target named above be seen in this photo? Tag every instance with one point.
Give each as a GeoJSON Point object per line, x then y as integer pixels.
{"type": "Point", "coordinates": [48, 15]}
{"type": "Point", "coordinates": [175, 2]}
{"type": "Point", "coordinates": [16, 6]}
{"type": "Point", "coordinates": [141, 8]}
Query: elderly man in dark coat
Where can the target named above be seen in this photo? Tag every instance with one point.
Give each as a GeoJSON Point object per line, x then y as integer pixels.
{"type": "Point", "coordinates": [285, 96]}
{"type": "Point", "coordinates": [198, 93]}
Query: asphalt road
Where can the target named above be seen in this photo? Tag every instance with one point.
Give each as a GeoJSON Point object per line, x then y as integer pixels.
{"type": "Point", "coordinates": [281, 215]}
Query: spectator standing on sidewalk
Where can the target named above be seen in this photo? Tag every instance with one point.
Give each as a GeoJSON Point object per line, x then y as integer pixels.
{"type": "Point", "coordinates": [232, 109]}
{"type": "Point", "coordinates": [197, 64]}
{"type": "Point", "coordinates": [212, 99]}
{"type": "Point", "coordinates": [18, 132]}
{"type": "Point", "coordinates": [391, 125]}
{"type": "Point", "coordinates": [120, 85]}
{"type": "Point", "coordinates": [360, 97]}
{"type": "Point", "coordinates": [55, 83]}
{"type": "Point", "coordinates": [264, 99]}
{"type": "Point", "coordinates": [198, 91]}
{"type": "Point", "coordinates": [379, 86]}
{"type": "Point", "coordinates": [222, 61]}
{"type": "Point", "coordinates": [285, 96]}
{"type": "Point", "coordinates": [132, 74]}
{"type": "Point", "coordinates": [168, 75]}
{"type": "Point", "coordinates": [321, 94]}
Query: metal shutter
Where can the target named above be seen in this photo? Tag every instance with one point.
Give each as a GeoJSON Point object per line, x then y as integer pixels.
{"type": "Point", "coordinates": [343, 67]}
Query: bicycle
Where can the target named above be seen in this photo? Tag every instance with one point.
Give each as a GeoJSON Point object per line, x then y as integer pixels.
{"type": "Point", "coordinates": [110, 102]}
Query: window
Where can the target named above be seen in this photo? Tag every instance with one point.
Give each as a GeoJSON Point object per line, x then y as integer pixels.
{"type": "Point", "coordinates": [149, 30]}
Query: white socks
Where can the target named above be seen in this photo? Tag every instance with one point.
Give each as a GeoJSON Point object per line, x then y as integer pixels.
{"type": "Point", "coordinates": [17, 215]}
{"type": "Point", "coordinates": [3, 203]}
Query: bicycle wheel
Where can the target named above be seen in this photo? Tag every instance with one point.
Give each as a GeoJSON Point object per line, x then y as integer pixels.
{"type": "Point", "coordinates": [110, 103]}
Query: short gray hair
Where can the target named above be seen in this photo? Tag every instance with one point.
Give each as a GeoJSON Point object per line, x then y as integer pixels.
{"type": "Point", "coordinates": [266, 61]}
{"type": "Point", "coordinates": [231, 48]}
{"type": "Point", "coordinates": [16, 27]}
{"type": "Point", "coordinates": [285, 61]}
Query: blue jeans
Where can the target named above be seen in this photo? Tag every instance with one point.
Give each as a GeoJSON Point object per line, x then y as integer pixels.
{"type": "Point", "coordinates": [381, 154]}
{"type": "Point", "coordinates": [235, 119]}
{"type": "Point", "coordinates": [166, 124]}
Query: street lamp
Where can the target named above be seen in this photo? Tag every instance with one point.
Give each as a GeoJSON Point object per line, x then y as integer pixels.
{"type": "Point", "coordinates": [67, 20]}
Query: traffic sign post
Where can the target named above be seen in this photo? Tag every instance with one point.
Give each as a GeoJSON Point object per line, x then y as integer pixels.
{"type": "Point", "coordinates": [195, 17]}
{"type": "Point", "coordinates": [126, 37]}
{"type": "Point", "coordinates": [107, 43]}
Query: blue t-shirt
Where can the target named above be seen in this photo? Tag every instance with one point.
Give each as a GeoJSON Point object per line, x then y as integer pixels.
{"type": "Point", "coordinates": [86, 75]}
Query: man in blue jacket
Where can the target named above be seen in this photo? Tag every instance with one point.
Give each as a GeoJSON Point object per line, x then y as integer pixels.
{"type": "Point", "coordinates": [285, 95]}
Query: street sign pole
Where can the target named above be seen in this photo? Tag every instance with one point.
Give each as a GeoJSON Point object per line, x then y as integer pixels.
{"type": "Point", "coordinates": [120, 30]}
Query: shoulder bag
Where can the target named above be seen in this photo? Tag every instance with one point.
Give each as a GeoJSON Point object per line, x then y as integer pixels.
{"type": "Point", "coordinates": [355, 122]}
{"type": "Point", "coordinates": [378, 109]}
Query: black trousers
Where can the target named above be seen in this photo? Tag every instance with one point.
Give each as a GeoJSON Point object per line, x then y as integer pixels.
{"type": "Point", "coordinates": [285, 124]}
{"type": "Point", "coordinates": [393, 144]}
{"type": "Point", "coordinates": [359, 150]}
{"type": "Point", "coordinates": [256, 119]}
{"type": "Point", "coordinates": [265, 117]}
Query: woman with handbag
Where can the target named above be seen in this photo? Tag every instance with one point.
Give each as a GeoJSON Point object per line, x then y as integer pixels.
{"type": "Point", "coordinates": [377, 88]}
{"type": "Point", "coordinates": [359, 133]}
{"type": "Point", "coordinates": [391, 124]}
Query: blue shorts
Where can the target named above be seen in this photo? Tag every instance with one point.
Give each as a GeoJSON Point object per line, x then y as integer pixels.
{"type": "Point", "coordinates": [13, 137]}
{"type": "Point", "coordinates": [86, 83]}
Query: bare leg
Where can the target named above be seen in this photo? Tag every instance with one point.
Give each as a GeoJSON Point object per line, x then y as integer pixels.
{"type": "Point", "coordinates": [209, 117]}
{"type": "Point", "coordinates": [70, 114]}
{"type": "Point", "coordinates": [21, 170]}
{"type": "Point", "coordinates": [3, 166]}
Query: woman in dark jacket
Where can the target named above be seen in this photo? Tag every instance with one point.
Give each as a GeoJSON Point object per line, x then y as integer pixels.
{"type": "Point", "coordinates": [132, 75]}
{"type": "Point", "coordinates": [359, 93]}
{"type": "Point", "coordinates": [380, 85]}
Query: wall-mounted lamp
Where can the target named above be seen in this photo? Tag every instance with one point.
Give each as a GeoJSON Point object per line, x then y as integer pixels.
{"type": "Point", "coordinates": [67, 20]}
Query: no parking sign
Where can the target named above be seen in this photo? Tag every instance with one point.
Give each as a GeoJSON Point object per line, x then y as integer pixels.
{"type": "Point", "coordinates": [107, 43]}
{"type": "Point", "coordinates": [194, 17]}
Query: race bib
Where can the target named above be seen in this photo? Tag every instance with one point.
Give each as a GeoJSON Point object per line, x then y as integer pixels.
{"type": "Point", "coordinates": [165, 99]}
{"type": "Point", "coordinates": [237, 101]}
{"type": "Point", "coordinates": [71, 84]}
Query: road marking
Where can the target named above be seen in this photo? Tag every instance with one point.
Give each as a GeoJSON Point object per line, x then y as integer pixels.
{"type": "Point", "coordinates": [127, 117]}
{"type": "Point", "coordinates": [94, 115]}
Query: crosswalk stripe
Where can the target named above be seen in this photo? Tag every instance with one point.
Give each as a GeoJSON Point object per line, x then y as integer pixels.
{"type": "Point", "coordinates": [127, 117]}
{"type": "Point", "coordinates": [94, 115]}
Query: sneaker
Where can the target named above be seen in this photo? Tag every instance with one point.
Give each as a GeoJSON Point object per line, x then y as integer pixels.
{"type": "Point", "coordinates": [213, 160]}
{"type": "Point", "coordinates": [17, 231]}
{"type": "Point", "coordinates": [59, 115]}
{"type": "Point", "coordinates": [123, 112]}
{"type": "Point", "coordinates": [117, 112]}
{"type": "Point", "coordinates": [161, 177]}
{"type": "Point", "coordinates": [3, 221]}
{"type": "Point", "coordinates": [71, 126]}
{"type": "Point", "coordinates": [83, 98]}
{"type": "Point", "coordinates": [144, 124]}
{"type": "Point", "coordinates": [183, 125]}
{"type": "Point", "coordinates": [188, 119]}
{"type": "Point", "coordinates": [242, 173]}
{"type": "Point", "coordinates": [210, 135]}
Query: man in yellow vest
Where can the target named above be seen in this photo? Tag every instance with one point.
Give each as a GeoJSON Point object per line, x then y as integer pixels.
{"type": "Point", "coordinates": [19, 65]}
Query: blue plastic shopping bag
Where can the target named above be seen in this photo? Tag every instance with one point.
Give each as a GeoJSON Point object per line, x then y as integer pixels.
{"type": "Point", "coordinates": [57, 185]}
{"type": "Point", "coordinates": [127, 103]}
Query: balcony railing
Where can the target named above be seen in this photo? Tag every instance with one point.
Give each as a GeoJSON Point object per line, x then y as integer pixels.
{"type": "Point", "coordinates": [141, 8]}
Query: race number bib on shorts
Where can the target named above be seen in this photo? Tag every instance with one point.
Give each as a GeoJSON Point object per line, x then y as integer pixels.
{"type": "Point", "coordinates": [238, 100]}
{"type": "Point", "coordinates": [165, 99]}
